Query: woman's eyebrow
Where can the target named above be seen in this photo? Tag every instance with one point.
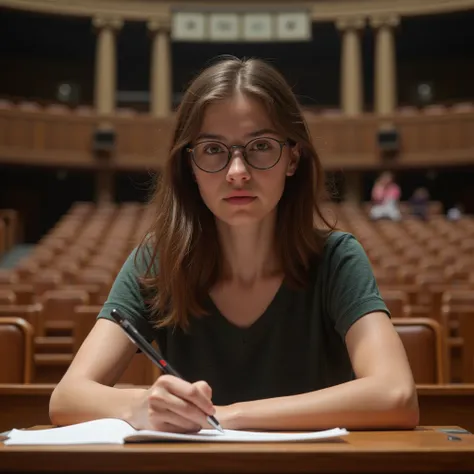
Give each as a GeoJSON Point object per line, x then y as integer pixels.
{"type": "Point", "coordinates": [256, 133]}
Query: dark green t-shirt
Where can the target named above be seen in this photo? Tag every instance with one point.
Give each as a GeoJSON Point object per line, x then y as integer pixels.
{"type": "Point", "coordinates": [296, 346]}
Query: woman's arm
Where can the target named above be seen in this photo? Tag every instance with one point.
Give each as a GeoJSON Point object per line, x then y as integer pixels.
{"type": "Point", "coordinates": [382, 397]}
{"type": "Point", "coordinates": [86, 391]}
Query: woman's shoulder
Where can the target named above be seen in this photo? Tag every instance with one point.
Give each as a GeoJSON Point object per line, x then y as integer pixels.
{"type": "Point", "coordinates": [143, 258]}
{"type": "Point", "coordinates": [338, 239]}
{"type": "Point", "coordinates": [337, 246]}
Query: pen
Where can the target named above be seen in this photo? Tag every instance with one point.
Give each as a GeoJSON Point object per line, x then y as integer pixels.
{"type": "Point", "coordinates": [152, 354]}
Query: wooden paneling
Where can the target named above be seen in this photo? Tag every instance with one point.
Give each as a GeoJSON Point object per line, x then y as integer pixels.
{"type": "Point", "coordinates": [65, 139]}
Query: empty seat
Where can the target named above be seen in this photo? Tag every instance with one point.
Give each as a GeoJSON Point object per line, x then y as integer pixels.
{"type": "Point", "coordinates": [7, 297]}
{"type": "Point", "coordinates": [425, 347]}
{"type": "Point", "coordinates": [30, 313]}
{"type": "Point", "coordinates": [57, 313]}
{"type": "Point", "coordinates": [16, 351]}
{"type": "Point", "coordinates": [464, 316]}
{"type": "Point", "coordinates": [24, 293]}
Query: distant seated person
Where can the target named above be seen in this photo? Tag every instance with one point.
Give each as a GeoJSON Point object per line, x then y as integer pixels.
{"type": "Point", "coordinates": [385, 197]}
{"type": "Point", "coordinates": [419, 203]}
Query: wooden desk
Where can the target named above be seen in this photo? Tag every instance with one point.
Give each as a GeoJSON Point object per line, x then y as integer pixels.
{"type": "Point", "coordinates": [423, 450]}
{"type": "Point", "coordinates": [28, 405]}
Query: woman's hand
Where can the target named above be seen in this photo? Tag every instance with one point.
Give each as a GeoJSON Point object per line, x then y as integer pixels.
{"type": "Point", "coordinates": [174, 405]}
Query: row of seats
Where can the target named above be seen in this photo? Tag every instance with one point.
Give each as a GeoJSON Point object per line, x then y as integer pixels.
{"type": "Point", "coordinates": [422, 340]}
{"type": "Point", "coordinates": [73, 266]}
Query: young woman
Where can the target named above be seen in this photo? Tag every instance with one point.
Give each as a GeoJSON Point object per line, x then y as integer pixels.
{"type": "Point", "coordinates": [273, 323]}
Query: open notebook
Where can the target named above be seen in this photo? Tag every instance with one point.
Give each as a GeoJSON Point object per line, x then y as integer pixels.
{"type": "Point", "coordinates": [114, 431]}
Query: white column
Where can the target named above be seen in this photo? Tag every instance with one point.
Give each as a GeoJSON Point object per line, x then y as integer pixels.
{"type": "Point", "coordinates": [385, 64]}
{"type": "Point", "coordinates": [351, 81]}
{"type": "Point", "coordinates": [160, 86]}
{"type": "Point", "coordinates": [106, 64]}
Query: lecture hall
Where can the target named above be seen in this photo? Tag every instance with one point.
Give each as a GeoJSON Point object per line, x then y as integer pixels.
{"type": "Point", "coordinates": [146, 145]}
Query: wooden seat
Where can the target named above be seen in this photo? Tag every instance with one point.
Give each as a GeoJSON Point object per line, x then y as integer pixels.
{"type": "Point", "coordinates": [46, 280]}
{"type": "Point", "coordinates": [57, 313]}
{"type": "Point", "coordinates": [464, 315]}
{"type": "Point", "coordinates": [425, 348]}
{"type": "Point", "coordinates": [30, 313]}
{"type": "Point", "coordinates": [454, 297]}
{"type": "Point", "coordinates": [24, 292]}
{"type": "Point", "coordinates": [7, 297]}
{"type": "Point", "coordinates": [16, 351]}
{"type": "Point", "coordinates": [96, 277]}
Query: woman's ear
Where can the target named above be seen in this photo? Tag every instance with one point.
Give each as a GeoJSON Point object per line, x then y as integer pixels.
{"type": "Point", "coordinates": [295, 155]}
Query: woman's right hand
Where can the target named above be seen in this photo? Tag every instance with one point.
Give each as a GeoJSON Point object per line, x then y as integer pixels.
{"type": "Point", "coordinates": [174, 405]}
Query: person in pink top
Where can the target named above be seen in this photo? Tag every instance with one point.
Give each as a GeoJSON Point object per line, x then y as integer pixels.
{"type": "Point", "coordinates": [385, 197]}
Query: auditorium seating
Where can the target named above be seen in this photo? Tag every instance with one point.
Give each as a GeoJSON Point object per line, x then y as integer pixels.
{"type": "Point", "coordinates": [16, 350]}
{"type": "Point", "coordinates": [425, 346]}
{"type": "Point", "coordinates": [424, 270]}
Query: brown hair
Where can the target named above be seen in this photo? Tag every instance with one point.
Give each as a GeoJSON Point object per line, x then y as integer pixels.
{"type": "Point", "coordinates": [183, 239]}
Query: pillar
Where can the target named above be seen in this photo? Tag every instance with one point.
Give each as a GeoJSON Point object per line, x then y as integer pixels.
{"type": "Point", "coordinates": [385, 64]}
{"type": "Point", "coordinates": [105, 88]}
{"type": "Point", "coordinates": [160, 82]}
{"type": "Point", "coordinates": [351, 65]}
{"type": "Point", "coordinates": [106, 64]}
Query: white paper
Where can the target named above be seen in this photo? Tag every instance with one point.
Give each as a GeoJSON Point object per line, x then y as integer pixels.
{"type": "Point", "coordinates": [114, 431]}
{"type": "Point", "coordinates": [103, 431]}
{"type": "Point", "coordinates": [237, 436]}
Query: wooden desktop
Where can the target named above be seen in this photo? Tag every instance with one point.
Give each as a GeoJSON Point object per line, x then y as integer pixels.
{"type": "Point", "coordinates": [426, 449]}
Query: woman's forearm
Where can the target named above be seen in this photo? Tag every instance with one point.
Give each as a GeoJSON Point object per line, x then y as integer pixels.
{"type": "Point", "coordinates": [84, 400]}
{"type": "Point", "coordinates": [366, 403]}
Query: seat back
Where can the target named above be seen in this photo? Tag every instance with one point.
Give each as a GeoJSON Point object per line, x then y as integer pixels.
{"type": "Point", "coordinates": [58, 309]}
{"type": "Point", "coordinates": [30, 313]}
{"type": "Point", "coordinates": [425, 348]}
{"type": "Point", "coordinates": [7, 297]}
{"type": "Point", "coordinates": [16, 351]}
{"type": "Point", "coordinates": [464, 315]}
{"type": "Point", "coordinates": [24, 292]}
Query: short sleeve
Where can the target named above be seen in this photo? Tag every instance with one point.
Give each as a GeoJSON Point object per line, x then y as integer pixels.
{"type": "Point", "coordinates": [352, 291]}
{"type": "Point", "coordinates": [126, 294]}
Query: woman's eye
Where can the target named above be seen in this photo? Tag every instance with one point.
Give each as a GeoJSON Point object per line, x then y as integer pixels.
{"type": "Point", "coordinates": [261, 146]}
{"type": "Point", "coordinates": [212, 149]}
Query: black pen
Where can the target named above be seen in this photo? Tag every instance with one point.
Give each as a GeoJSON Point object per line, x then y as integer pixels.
{"type": "Point", "coordinates": [153, 354]}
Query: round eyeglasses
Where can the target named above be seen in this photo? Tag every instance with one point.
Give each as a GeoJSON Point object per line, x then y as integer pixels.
{"type": "Point", "coordinates": [260, 153]}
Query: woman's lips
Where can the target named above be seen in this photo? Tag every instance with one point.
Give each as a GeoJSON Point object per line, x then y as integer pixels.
{"type": "Point", "coordinates": [240, 200]}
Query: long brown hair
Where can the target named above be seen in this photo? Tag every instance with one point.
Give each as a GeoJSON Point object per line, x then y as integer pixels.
{"type": "Point", "coordinates": [183, 240]}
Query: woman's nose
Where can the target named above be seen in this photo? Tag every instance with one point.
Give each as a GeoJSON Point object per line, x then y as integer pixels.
{"type": "Point", "coordinates": [238, 169]}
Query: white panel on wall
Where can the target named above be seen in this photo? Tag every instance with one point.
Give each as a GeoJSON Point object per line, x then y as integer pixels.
{"type": "Point", "coordinates": [224, 26]}
{"type": "Point", "coordinates": [257, 27]}
{"type": "Point", "coordinates": [293, 26]}
{"type": "Point", "coordinates": [188, 26]}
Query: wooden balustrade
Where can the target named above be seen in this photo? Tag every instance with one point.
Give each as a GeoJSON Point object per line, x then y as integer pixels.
{"type": "Point", "coordinates": [38, 137]}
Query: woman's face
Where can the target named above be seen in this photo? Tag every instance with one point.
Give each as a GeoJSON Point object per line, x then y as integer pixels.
{"type": "Point", "coordinates": [240, 194]}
